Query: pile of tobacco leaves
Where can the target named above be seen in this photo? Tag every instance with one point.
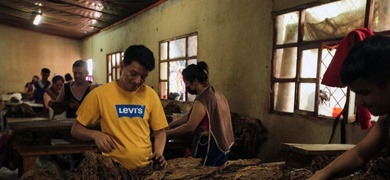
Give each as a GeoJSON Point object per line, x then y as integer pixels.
{"type": "Point", "coordinates": [95, 166]}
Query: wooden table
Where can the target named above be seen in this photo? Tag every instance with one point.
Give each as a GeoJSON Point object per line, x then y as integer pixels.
{"type": "Point", "coordinates": [38, 123]}
{"type": "Point", "coordinates": [317, 149]}
{"type": "Point", "coordinates": [38, 131]}
{"type": "Point", "coordinates": [28, 154]}
{"type": "Point", "coordinates": [301, 155]}
{"type": "Point", "coordinates": [32, 137]}
{"type": "Point", "coordinates": [16, 120]}
{"type": "Point", "coordinates": [32, 104]}
{"type": "Point", "coordinates": [18, 109]}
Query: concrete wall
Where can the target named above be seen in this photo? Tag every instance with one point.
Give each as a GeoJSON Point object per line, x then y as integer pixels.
{"type": "Point", "coordinates": [235, 39]}
{"type": "Point", "coordinates": [24, 53]}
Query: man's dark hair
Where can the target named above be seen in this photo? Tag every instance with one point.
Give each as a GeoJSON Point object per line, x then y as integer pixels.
{"type": "Point", "coordinates": [80, 63]}
{"type": "Point", "coordinates": [369, 60]}
{"type": "Point", "coordinates": [45, 70]}
{"type": "Point", "coordinates": [68, 77]}
{"type": "Point", "coordinates": [140, 54]}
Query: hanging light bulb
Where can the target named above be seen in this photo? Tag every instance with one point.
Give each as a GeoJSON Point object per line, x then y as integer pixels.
{"type": "Point", "coordinates": [37, 18]}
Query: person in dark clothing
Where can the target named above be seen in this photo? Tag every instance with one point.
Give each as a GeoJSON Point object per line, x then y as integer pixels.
{"type": "Point", "coordinates": [68, 77]}
{"type": "Point", "coordinates": [75, 91]}
{"type": "Point", "coordinates": [41, 85]}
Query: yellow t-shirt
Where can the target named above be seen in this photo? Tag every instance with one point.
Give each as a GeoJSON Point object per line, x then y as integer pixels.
{"type": "Point", "coordinates": [127, 117]}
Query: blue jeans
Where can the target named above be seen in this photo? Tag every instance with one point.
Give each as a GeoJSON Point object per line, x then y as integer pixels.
{"type": "Point", "coordinates": [215, 157]}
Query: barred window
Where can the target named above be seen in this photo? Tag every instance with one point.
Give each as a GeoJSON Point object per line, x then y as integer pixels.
{"type": "Point", "coordinates": [306, 40]}
{"type": "Point", "coordinates": [176, 54]}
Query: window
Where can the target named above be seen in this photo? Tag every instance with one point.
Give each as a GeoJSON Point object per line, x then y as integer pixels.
{"type": "Point", "coordinates": [175, 55]}
{"type": "Point", "coordinates": [113, 62]}
{"type": "Point", "coordinates": [306, 40]}
{"type": "Point", "coordinates": [90, 70]}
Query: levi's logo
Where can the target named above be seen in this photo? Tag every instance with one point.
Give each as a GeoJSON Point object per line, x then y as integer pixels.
{"type": "Point", "coordinates": [130, 111]}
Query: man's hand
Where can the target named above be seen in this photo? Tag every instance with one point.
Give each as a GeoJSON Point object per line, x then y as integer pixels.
{"type": "Point", "coordinates": [103, 142]}
{"type": "Point", "coordinates": [159, 162]}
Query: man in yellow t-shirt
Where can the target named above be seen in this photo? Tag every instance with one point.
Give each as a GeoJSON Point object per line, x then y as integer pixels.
{"type": "Point", "coordinates": [128, 111]}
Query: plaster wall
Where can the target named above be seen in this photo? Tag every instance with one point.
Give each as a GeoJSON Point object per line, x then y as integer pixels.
{"type": "Point", "coordinates": [235, 39]}
{"type": "Point", "coordinates": [283, 4]}
{"type": "Point", "coordinates": [24, 53]}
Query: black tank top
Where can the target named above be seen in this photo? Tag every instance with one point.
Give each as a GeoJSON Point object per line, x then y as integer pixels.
{"type": "Point", "coordinates": [71, 112]}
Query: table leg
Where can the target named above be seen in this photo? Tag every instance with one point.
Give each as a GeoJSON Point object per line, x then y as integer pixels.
{"type": "Point", "coordinates": [28, 163]}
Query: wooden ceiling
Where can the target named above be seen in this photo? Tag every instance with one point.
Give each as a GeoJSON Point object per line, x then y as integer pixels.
{"type": "Point", "coordinates": [75, 19]}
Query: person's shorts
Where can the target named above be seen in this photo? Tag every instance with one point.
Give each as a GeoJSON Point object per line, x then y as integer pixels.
{"type": "Point", "coordinates": [214, 157]}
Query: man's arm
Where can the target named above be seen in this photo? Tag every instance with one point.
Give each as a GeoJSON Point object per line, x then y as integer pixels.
{"type": "Point", "coordinates": [102, 140]}
{"type": "Point", "coordinates": [355, 158]}
{"type": "Point", "coordinates": [159, 141]}
{"type": "Point", "coordinates": [159, 145]}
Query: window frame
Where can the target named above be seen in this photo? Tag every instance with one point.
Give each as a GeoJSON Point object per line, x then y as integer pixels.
{"type": "Point", "coordinates": [113, 68]}
{"type": "Point", "coordinates": [90, 76]}
{"type": "Point", "coordinates": [168, 60]}
{"type": "Point", "coordinates": [301, 45]}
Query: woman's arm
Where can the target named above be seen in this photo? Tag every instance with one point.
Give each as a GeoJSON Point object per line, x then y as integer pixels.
{"type": "Point", "coordinates": [178, 122]}
{"type": "Point", "coordinates": [46, 100]}
{"type": "Point", "coordinates": [61, 96]}
{"type": "Point", "coordinates": [26, 87]}
{"type": "Point", "coordinates": [195, 118]}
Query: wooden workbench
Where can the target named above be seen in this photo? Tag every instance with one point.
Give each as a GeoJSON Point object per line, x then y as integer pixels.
{"type": "Point", "coordinates": [16, 120]}
{"type": "Point", "coordinates": [32, 137]}
{"type": "Point", "coordinates": [301, 155]}
{"type": "Point", "coordinates": [36, 131]}
{"type": "Point", "coordinates": [28, 154]}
